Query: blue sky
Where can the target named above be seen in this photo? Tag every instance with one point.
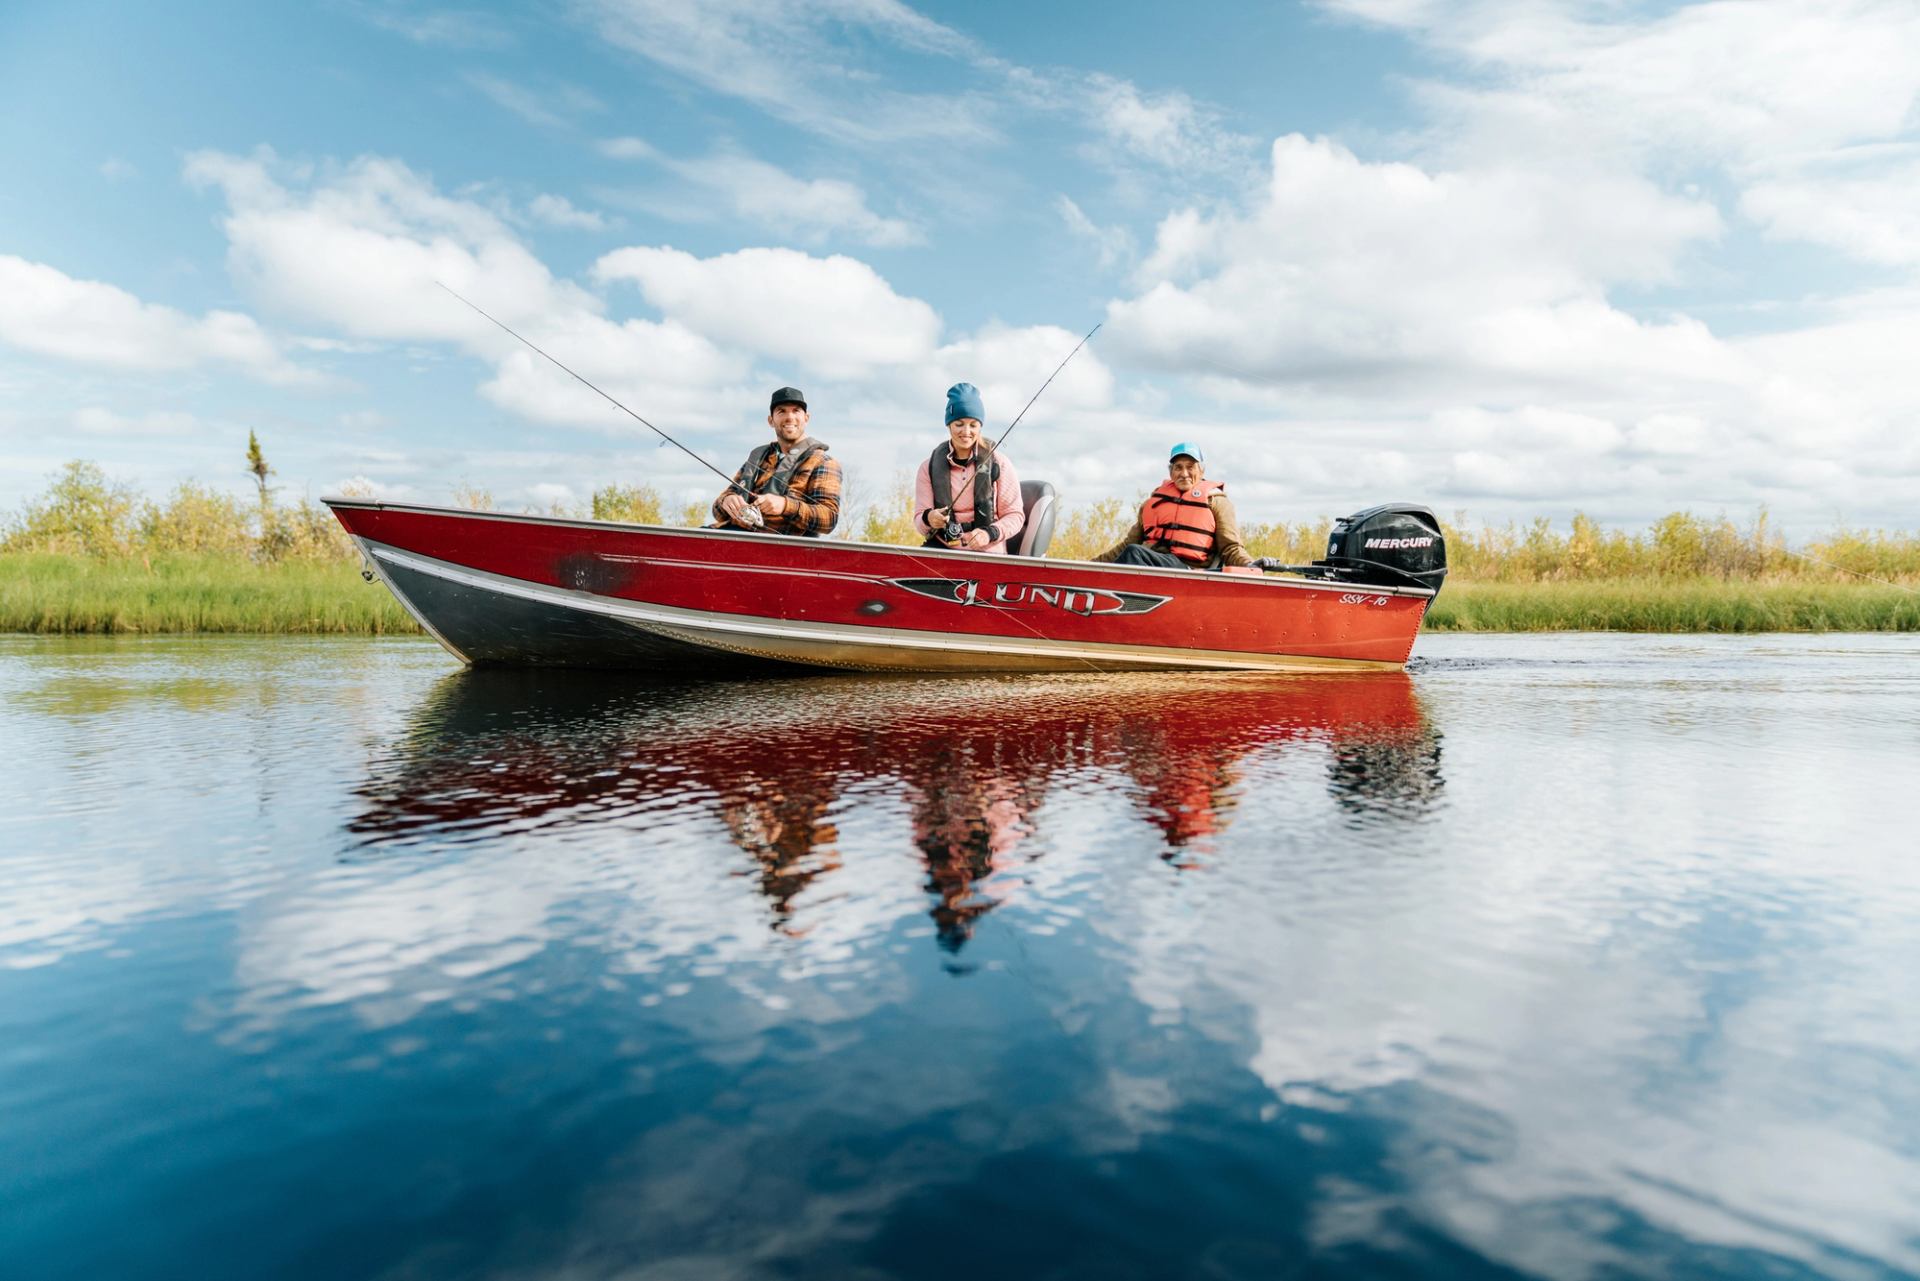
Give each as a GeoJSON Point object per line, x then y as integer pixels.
{"type": "Point", "coordinates": [1508, 259]}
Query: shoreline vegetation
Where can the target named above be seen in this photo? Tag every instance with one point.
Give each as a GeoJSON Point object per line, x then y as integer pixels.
{"type": "Point", "coordinates": [93, 556]}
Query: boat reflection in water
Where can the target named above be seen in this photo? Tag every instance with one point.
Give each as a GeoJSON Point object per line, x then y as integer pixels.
{"type": "Point", "coordinates": [970, 765]}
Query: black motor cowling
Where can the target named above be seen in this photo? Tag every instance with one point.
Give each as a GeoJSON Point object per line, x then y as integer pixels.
{"type": "Point", "coordinates": [1392, 545]}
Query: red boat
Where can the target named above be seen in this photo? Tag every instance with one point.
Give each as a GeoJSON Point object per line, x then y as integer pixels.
{"type": "Point", "coordinates": [496, 588]}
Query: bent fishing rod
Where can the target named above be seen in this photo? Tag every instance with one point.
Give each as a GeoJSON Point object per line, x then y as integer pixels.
{"type": "Point", "coordinates": [731, 482]}
{"type": "Point", "coordinates": [1043, 386]}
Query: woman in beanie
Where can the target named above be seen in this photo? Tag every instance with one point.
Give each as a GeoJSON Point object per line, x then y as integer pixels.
{"type": "Point", "coordinates": [966, 496]}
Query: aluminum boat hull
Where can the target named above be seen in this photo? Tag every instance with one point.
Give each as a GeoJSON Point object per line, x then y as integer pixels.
{"type": "Point", "coordinates": [495, 588]}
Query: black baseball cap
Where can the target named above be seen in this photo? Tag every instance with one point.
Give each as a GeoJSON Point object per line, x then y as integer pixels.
{"type": "Point", "coordinates": [787, 396]}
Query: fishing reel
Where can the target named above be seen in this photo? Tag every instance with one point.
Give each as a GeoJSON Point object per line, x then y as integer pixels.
{"type": "Point", "coordinates": [953, 533]}
{"type": "Point", "coordinates": [750, 517]}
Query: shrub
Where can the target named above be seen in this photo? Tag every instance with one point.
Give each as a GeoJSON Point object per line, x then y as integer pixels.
{"type": "Point", "coordinates": [888, 519]}
{"type": "Point", "coordinates": [634, 504]}
{"type": "Point", "coordinates": [82, 513]}
{"type": "Point", "coordinates": [1291, 544]}
{"type": "Point", "coordinates": [304, 531]}
{"type": "Point", "coordinates": [197, 519]}
{"type": "Point", "coordinates": [1088, 530]}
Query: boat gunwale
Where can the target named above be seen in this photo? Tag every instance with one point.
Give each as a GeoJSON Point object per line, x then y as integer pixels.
{"type": "Point", "coordinates": [837, 544]}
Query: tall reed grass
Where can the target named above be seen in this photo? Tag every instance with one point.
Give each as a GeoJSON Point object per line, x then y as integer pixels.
{"type": "Point", "coordinates": [91, 554]}
{"type": "Point", "coordinates": [192, 592]}
{"type": "Point", "coordinates": [1651, 604]}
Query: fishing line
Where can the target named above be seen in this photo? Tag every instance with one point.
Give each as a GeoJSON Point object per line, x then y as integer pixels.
{"type": "Point", "coordinates": [731, 482]}
{"type": "Point", "coordinates": [1884, 582]}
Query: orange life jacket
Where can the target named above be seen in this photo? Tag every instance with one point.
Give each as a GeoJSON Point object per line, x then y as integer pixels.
{"type": "Point", "coordinates": [1181, 522]}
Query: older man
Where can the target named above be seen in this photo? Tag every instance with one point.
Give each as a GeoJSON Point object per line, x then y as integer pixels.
{"type": "Point", "coordinates": [790, 484]}
{"type": "Point", "coordinates": [1187, 523]}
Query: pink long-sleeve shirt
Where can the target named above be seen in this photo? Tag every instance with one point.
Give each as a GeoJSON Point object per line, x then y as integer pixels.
{"type": "Point", "coordinates": [1009, 513]}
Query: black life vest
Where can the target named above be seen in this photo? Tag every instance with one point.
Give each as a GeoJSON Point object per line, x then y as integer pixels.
{"type": "Point", "coordinates": [984, 480]}
{"type": "Point", "coordinates": [784, 470]}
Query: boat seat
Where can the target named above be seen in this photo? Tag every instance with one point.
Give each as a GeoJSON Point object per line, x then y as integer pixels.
{"type": "Point", "coordinates": [1036, 496]}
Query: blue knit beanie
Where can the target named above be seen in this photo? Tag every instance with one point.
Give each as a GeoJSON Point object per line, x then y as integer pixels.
{"type": "Point", "coordinates": [963, 401]}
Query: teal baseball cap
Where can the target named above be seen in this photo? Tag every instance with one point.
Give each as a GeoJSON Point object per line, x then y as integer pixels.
{"type": "Point", "coordinates": [1188, 448]}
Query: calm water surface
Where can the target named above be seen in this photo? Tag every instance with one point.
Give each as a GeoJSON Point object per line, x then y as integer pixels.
{"type": "Point", "coordinates": [1558, 956]}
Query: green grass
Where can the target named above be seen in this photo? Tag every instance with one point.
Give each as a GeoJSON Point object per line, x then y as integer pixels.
{"type": "Point", "coordinates": [1675, 605]}
{"type": "Point", "coordinates": [43, 592]}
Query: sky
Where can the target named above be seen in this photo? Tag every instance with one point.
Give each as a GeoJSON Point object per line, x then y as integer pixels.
{"type": "Point", "coordinates": [1511, 259]}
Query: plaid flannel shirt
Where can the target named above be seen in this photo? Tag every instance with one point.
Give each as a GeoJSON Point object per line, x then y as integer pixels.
{"type": "Point", "coordinates": [813, 495]}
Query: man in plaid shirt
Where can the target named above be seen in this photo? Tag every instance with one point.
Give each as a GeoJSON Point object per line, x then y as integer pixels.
{"type": "Point", "coordinates": [795, 485]}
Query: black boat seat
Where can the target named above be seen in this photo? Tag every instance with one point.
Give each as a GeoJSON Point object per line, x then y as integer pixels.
{"type": "Point", "coordinates": [1036, 496]}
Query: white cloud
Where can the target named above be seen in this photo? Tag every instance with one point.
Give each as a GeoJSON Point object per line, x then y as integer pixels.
{"type": "Point", "coordinates": [453, 28]}
{"type": "Point", "coordinates": [94, 420]}
{"type": "Point", "coordinates": [45, 311]}
{"type": "Point", "coordinates": [1807, 106]}
{"type": "Point", "coordinates": [1169, 129]}
{"type": "Point", "coordinates": [116, 170]}
{"type": "Point", "coordinates": [362, 252]}
{"type": "Point", "coordinates": [1863, 202]}
{"type": "Point", "coordinates": [836, 315]}
{"type": "Point", "coordinates": [1010, 365]}
{"type": "Point", "coordinates": [362, 485]}
{"type": "Point", "coordinates": [366, 251]}
{"type": "Point", "coordinates": [558, 211]}
{"type": "Point", "coordinates": [765, 195]}
{"type": "Point", "coordinates": [1112, 244]}
{"type": "Point", "coordinates": [1386, 280]}
{"type": "Point", "coordinates": [661, 371]}
{"type": "Point", "coordinates": [550, 108]}
{"type": "Point", "coordinates": [549, 495]}
{"type": "Point", "coordinates": [796, 62]}
{"type": "Point", "coordinates": [1728, 81]}
{"type": "Point", "coordinates": [629, 148]}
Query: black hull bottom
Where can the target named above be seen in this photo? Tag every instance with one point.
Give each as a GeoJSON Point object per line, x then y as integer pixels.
{"type": "Point", "coordinates": [489, 629]}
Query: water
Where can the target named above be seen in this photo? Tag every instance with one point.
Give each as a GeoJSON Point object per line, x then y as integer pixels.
{"type": "Point", "coordinates": [1560, 956]}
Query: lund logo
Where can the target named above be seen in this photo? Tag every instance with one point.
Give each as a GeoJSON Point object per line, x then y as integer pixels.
{"type": "Point", "coordinates": [1084, 601]}
{"type": "Point", "coordinates": [1389, 543]}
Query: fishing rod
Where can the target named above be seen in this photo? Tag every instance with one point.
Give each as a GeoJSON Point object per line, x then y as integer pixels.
{"type": "Point", "coordinates": [953, 532]}
{"type": "Point", "coordinates": [1043, 386]}
{"type": "Point", "coordinates": [731, 482]}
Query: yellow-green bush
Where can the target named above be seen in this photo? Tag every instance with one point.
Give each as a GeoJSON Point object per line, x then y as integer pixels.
{"type": "Point", "coordinates": [634, 504]}
{"type": "Point", "coordinates": [1082, 531]}
{"type": "Point", "coordinates": [82, 513]}
{"type": "Point", "coordinates": [303, 531]}
{"type": "Point", "coordinates": [197, 519]}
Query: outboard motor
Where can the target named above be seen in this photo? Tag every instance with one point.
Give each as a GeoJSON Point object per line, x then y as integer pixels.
{"type": "Point", "coordinates": [1392, 545]}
